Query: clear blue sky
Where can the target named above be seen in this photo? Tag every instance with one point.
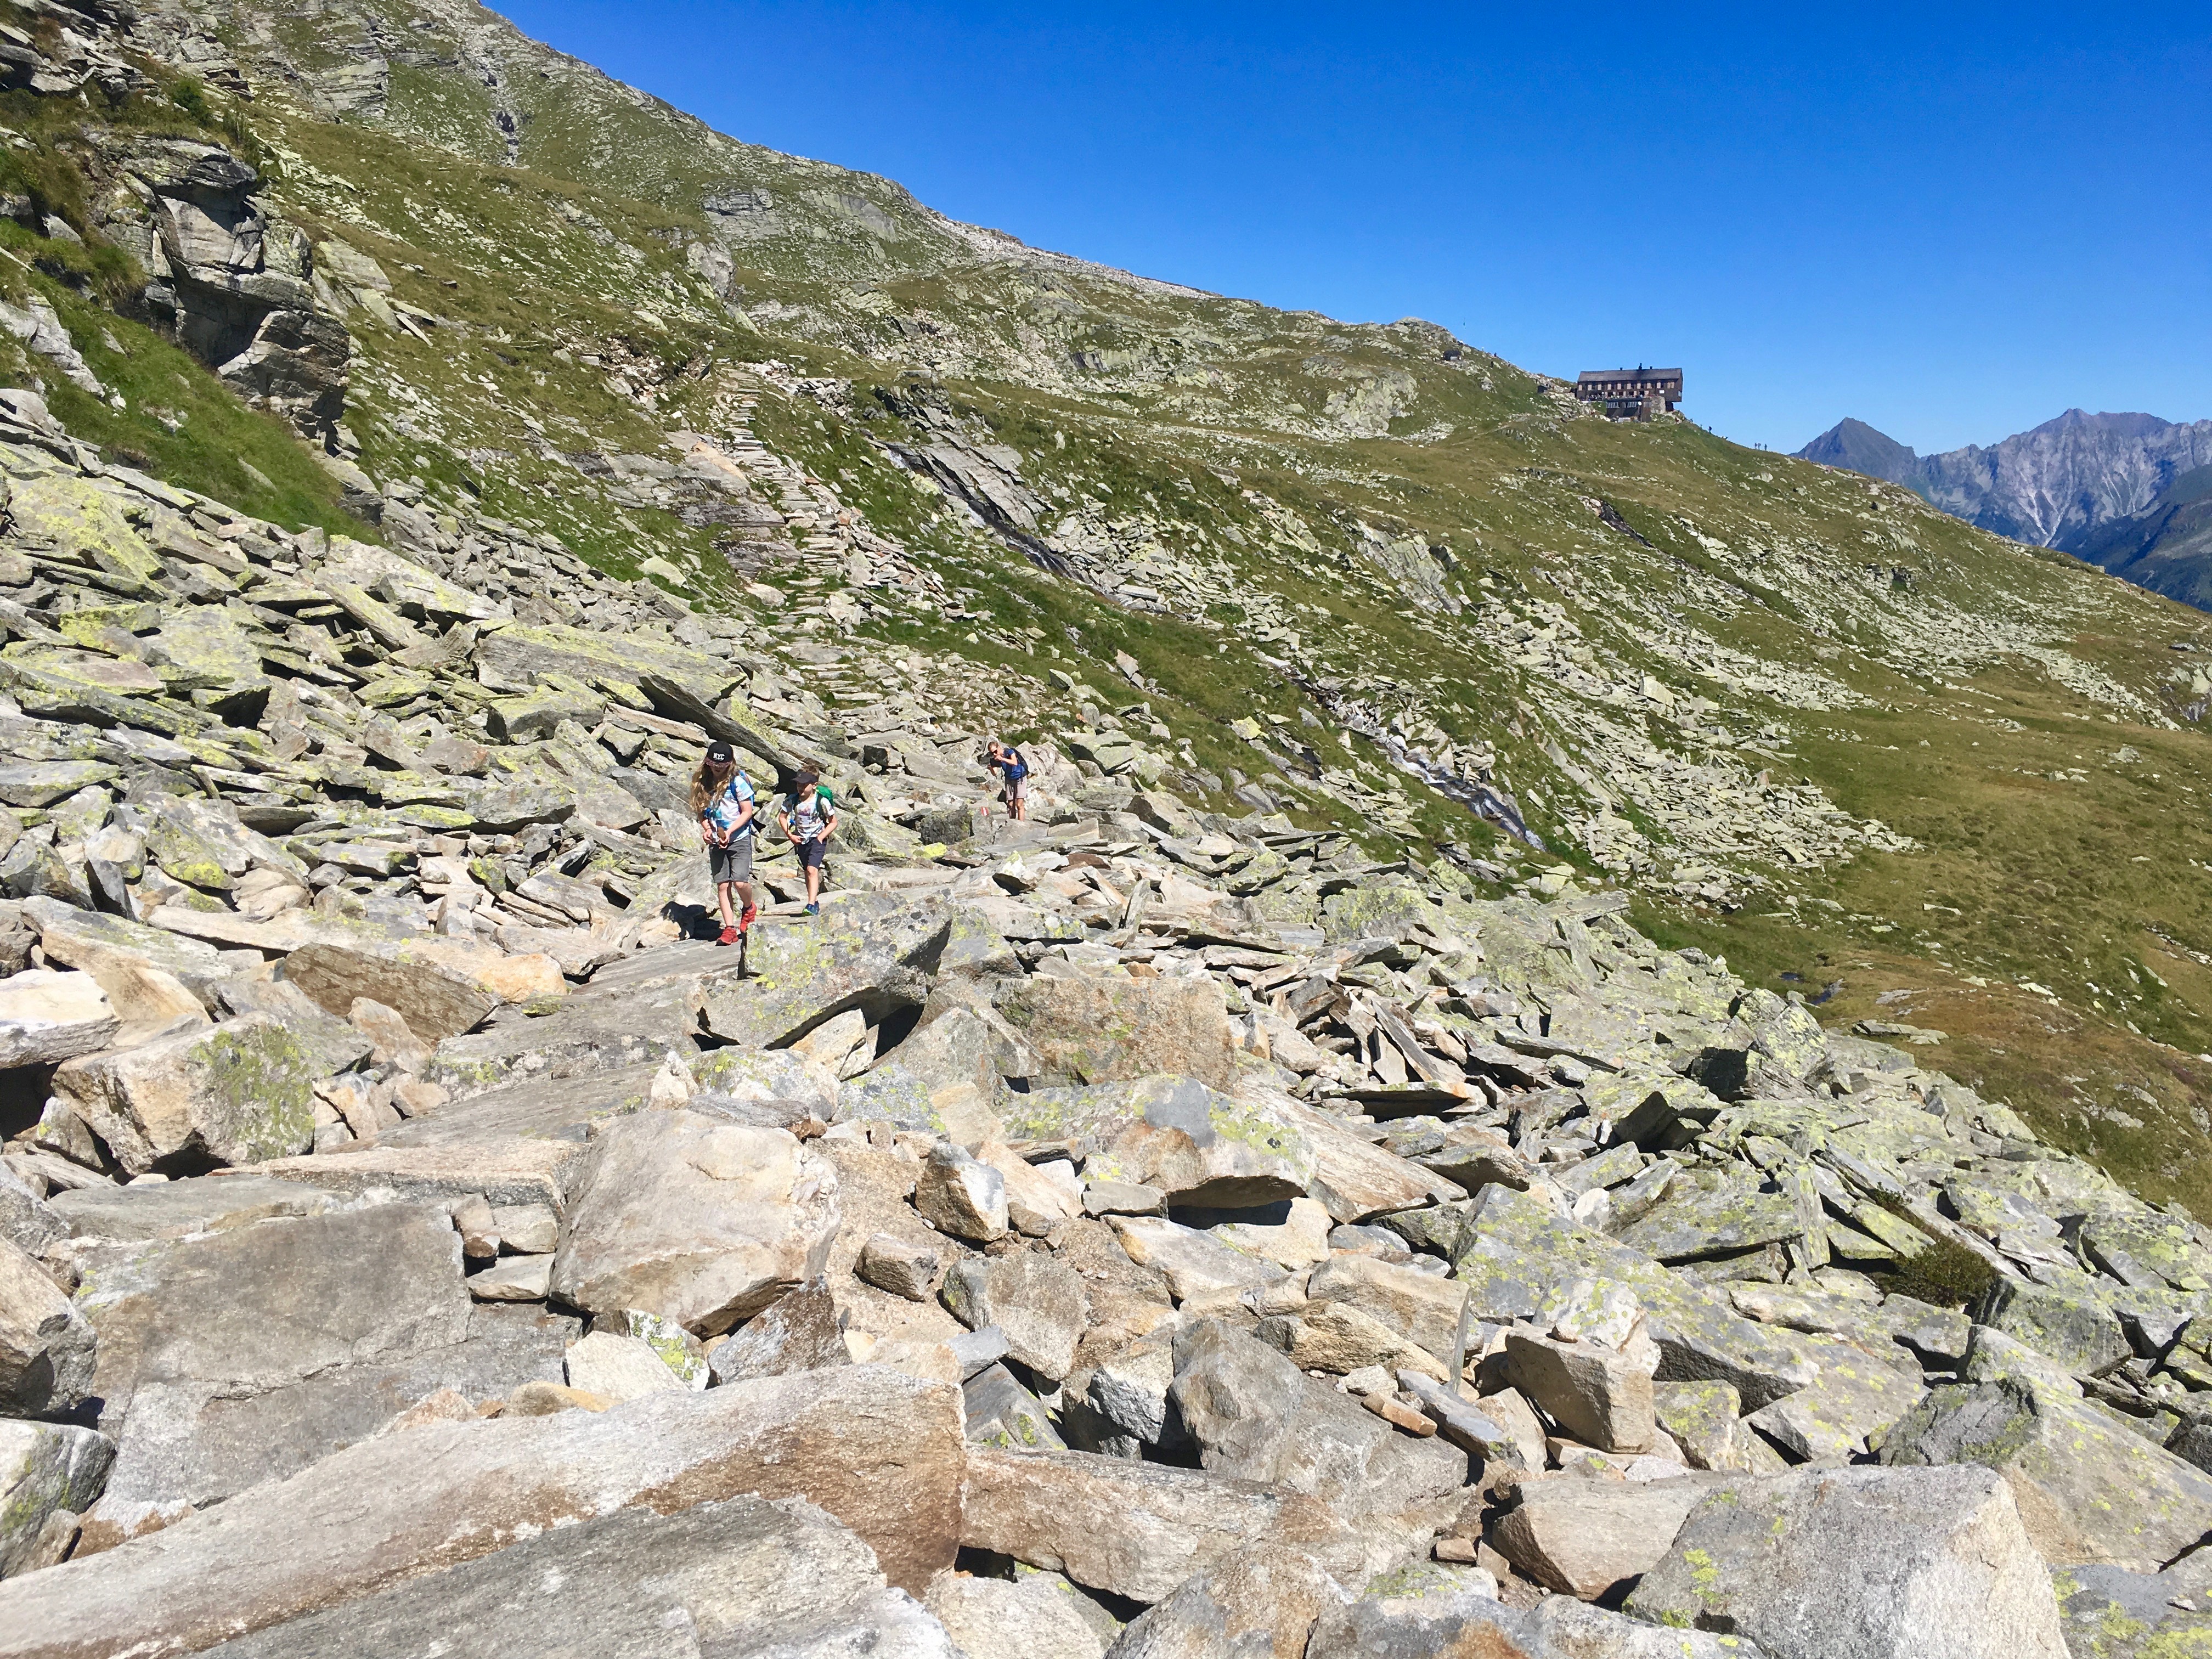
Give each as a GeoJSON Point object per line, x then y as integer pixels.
{"type": "Point", "coordinates": [1952, 222]}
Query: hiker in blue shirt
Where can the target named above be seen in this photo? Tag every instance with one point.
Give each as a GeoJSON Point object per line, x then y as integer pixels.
{"type": "Point", "coordinates": [722, 796]}
{"type": "Point", "coordinates": [1008, 763]}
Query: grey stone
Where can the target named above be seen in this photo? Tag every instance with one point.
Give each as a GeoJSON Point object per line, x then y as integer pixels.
{"type": "Point", "coordinates": [47, 1348]}
{"type": "Point", "coordinates": [1585, 1537]}
{"type": "Point", "coordinates": [1704, 1419]}
{"type": "Point", "coordinates": [241, 1356]}
{"type": "Point", "coordinates": [616, 1368]}
{"type": "Point", "coordinates": [2073, 1326]}
{"type": "Point", "coordinates": [1862, 1564]}
{"type": "Point", "coordinates": [1194, 1263]}
{"type": "Point", "coordinates": [1255, 1603]}
{"type": "Point", "coordinates": [961, 1195]}
{"type": "Point", "coordinates": [703, 1222]}
{"type": "Point", "coordinates": [864, 954]}
{"type": "Point", "coordinates": [799, 1332]}
{"type": "Point", "coordinates": [1254, 1415]}
{"type": "Point", "coordinates": [1195, 1145]}
{"type": "Point", "coordinates": [1107, 1028]}
{"type": "Point", "coordinates": [1037, 1302]}
{"type": "Point", "coordinates": [1002, 1413]}
{"type": "Point", "coordinates": [1423, 1610]}
{"type": "Point", "coordinates": [1598, 1397]}
{"type": "Point", "coordinates": [171, 1209]}
{"type": "Point", "coordinates": [47, 1017]}
{"type": "Point", "coordinates": [240, 1092]}
{"type": "Point", "coordinates": [1139, 1529]}
{"type": "Point", "coordinates": [1036, 1615]}
{"type": "Point", "coordinates": [27, 1221]}
{"type": "Point", "coordinates": [894, 1264]}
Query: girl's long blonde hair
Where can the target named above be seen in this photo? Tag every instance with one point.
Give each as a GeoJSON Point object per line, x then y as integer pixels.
{"type": "Point", "coordinates": [705, 785]}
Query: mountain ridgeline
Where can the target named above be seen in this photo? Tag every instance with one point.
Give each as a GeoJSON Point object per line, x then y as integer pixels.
{"type": "Point", "coordinates": [2121, 491]}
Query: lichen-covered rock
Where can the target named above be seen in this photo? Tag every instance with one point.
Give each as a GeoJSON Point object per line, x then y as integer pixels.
{"type": "Point", "coordinates": [1107, 1028]}
{"type": "Point", "coordinates": [1430, 1608]}
{"type": "Point", "coordinates": [1861, 1563]}
{"type": "Point", "coordinates": [1196, 1144]}
{"type": "Point", "coordinates": [861, 955]}
{"type": "Point", "coordinates": [2088, 1490]}
{"type": "Point", "coordinates": [2075, 1327]}
{"type": "Point", "coordinates": [239, 1092]}
{"type": "Point", "coordinates": [45, 1468]}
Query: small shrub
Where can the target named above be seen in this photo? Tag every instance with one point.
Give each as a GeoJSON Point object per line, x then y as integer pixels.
{"type": "Point", "coordinates": [1945, 1275]}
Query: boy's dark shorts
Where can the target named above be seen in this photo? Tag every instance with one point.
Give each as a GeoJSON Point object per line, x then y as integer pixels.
{"type": "Point", "coordinates": [811, 853]}
{"type": "Point", "coordinates": [731, 863]}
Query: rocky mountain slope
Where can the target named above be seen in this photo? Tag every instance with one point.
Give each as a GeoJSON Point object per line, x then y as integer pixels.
{"type": "Point", "coordinates": [1592, 1031]}
{"type": "Point", "coordinates": [1107, 1232]}
{"type": "Point", "coordinates": [2100, 487]}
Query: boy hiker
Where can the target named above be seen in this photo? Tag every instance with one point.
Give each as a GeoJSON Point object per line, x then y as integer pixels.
{"type": "Point", "coordinates": [722, 796]}
{"type": "Point", "coordinates": [809, 816]}
{"type": "Point", "coordinates": [1010, 765]}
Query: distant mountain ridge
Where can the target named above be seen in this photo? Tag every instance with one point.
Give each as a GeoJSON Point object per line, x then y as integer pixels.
{"type": "Point", "coordinates": [2119, 490]}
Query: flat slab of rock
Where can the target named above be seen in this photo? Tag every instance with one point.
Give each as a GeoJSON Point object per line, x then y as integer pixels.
{"type": "Point", "coordinates": [170, 1209]}
{"type": "Point", "coordinates": [1136, 1529]}
{"type": "Point", "coordinates": [1260, 1602]}
{"type": "Point", "coordinates": [90, 940]}
{"type": "Point", "coordinates": [634, 1013]}
{"type": "Point", "coordinates": [542, 1108]}
{"type": "Point", "coordinates": [862, 955]}
{"type": "Point", "coordinates": [1038, 1615]}
{"type": "Point", "coordinates": [197, 1440]}
{"type": "Point", "coordinates": [879, 1451]}
{"type": "Point", "coordinates": [1425, 1610]}
{"type": "Point", "coordinates": [48, 1016]}
{"type": "Point", "coordinates": [1194, 1263]}
{"type": "Point", "coordinates": [1862, 1564]}
{"type": "Point", "coordinates": [780, 1575]}
{"type": "Point", "coordinates": [435, 998]}
{"type": "Point", "coordinates": [1104, 1028]}
{"type": "Point", "coordinates": [1355, 1180]}
{"type": "Point", "coordinates": [502, 1171]}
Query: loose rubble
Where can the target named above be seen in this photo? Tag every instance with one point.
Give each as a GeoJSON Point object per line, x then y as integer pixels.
{"type": "Point", "coordinates": [1134, 1229]}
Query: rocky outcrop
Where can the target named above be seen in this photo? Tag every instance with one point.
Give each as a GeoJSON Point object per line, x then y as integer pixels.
{"type": "Point", "coordinates": [235, 282]}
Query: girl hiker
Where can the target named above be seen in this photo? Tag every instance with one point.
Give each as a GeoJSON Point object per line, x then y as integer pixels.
{"type": "Point", "coordinates": [809, 815]}
{"type": "Point", "coordinates": [1009, 765]}
{"type": "Point", "coordinates": [722, 796]}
